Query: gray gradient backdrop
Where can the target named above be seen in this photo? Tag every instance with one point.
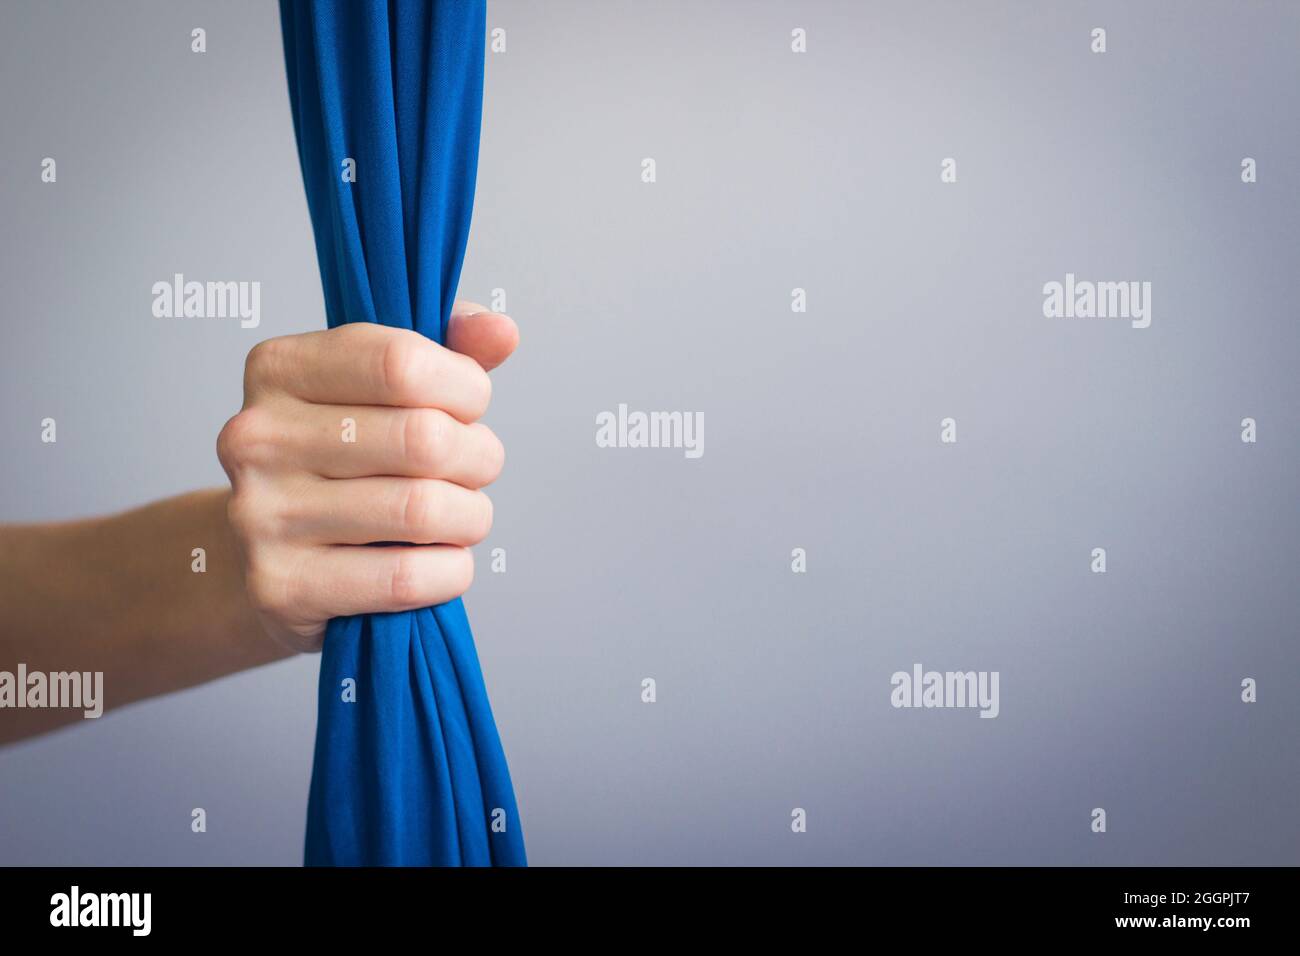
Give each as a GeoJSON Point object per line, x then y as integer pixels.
{"type": "Point", "coordinates": [775, 171]}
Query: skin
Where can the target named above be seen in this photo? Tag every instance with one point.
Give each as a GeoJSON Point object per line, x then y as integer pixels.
{"type": "Point", "coordinates": [285, 543]}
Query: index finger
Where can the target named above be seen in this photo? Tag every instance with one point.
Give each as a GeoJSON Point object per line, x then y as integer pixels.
{"type": "Point", "coordinates": [366, 364]}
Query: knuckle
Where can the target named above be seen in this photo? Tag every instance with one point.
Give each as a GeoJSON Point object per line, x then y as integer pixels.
{"type": "Point", "coordinates": [354, 334]}
{"type": "Point", "coordinates": [254, 521]}
{"type": "Point", "coordinates": [404, 585]}
{"type": "Point", "coordinates": [494, 456]}
{"type": "Point", "coordinates": [483, 526]}
{"type": "Point", "coordinates": [268, 590]}
{"type": "Point", "coordinates": [461, 573]}
{"type": "Point", "coordinates": [231, 441]}
{"type": "Point", "coordinates": [399, 366]}
{"type": "Point", "coordinates": [263, 359]}
{"type": "Point", "coordinates": [226, 445]}
{"type": "Point", "coordinates": [242, 440]}
{"type": "Point", "coordinates": [424, 437]}
{"type": "Point", "coordinates": [419, 512]}
{"type": "Point", "coordinates": [482, 390]}
{"type": "Point", "coordinates": [244, 516]}
{"type": "Point", "coordinates": [290, 508]}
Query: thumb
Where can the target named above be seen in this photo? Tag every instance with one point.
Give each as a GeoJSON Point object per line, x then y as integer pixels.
{"type": "Point", "coordinates": [486, 337]}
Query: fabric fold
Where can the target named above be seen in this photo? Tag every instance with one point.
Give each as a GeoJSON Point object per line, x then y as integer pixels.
{"type": "Point", "coordinates": [409, 768]}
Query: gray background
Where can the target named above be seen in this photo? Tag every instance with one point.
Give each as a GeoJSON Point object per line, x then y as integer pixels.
{"type": "Point", "coordinates": [775, 170]}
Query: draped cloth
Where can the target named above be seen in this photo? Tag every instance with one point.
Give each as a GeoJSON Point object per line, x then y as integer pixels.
{"type": "Point", "coordinates": [411, 772]}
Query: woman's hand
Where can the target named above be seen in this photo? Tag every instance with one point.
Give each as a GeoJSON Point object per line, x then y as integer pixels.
{"type": "Point", "coordinates": [126, 595]}
{"type": "Point", "coordinates": [356, 435]}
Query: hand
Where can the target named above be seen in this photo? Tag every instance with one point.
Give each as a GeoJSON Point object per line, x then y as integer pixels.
{"type": "Point", "coordinates": [355, 435]}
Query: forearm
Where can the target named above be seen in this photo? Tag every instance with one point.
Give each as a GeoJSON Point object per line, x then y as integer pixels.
{"type": "Point", "coordinates": [120, 595]}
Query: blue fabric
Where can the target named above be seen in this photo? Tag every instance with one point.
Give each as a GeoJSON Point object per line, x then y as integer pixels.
{"type": "Point", "coordinates": [412, 772]}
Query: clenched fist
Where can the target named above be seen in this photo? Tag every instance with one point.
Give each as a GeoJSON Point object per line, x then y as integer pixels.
{"type": "Point", "coordinates": [357, 435]}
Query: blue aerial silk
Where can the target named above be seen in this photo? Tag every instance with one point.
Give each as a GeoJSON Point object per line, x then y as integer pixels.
{"type": "Point", "coordinates": [412, 773]}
